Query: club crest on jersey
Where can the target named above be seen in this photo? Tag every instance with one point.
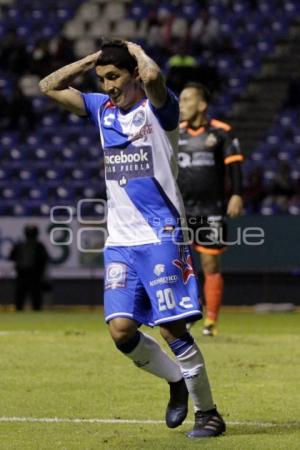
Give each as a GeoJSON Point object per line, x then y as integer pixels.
{"type": "Point", "coordinates": [159, 269]}
{"type": "Point", "coordinates": [185, 265]}
{"type": "Point", "coordinates": [139, 118]}
{"type": "Point", "coordinates": [211, 140]}
{"type": "Point", "coordinates": [115, 276]}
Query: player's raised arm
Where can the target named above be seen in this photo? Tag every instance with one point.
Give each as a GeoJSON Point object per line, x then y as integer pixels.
{"type": "Point", "coordinates": [151, 76]}
{"type": "Point", "coordinates": [56, 85]}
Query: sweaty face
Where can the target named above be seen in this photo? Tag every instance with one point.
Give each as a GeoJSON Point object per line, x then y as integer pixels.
{"type": "Point", "coordinates": [190, 104]}
{"type": "Point", "coordinates": [119, 84]}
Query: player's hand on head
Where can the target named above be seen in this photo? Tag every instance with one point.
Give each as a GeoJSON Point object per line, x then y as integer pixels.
{"type": "Point", "coordinates": [92, 59]}
{"type": "Point", "coordinates": [133, 48]}
{"type": "Point", "coordinates": [235, 206]}
{"type": "Point", "coordinates": [96, 54]}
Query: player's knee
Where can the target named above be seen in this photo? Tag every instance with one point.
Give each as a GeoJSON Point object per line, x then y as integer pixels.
{"type": "Point", "coordinates": [122, 330]}
{"type": "Point", "coordinates": [173, 330]}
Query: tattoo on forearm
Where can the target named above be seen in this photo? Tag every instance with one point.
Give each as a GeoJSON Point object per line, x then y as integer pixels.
{"type": "Point", "coordinates": [60, 78]}
{"type": "Point", "coordinates": [147, 68]}
{"type": "Point", "coordinates": [154, 83]}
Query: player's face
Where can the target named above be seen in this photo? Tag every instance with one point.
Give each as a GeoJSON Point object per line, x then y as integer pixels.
{"type": "Point", "coordinates": [191, 105]}
{"type": "Point", "coordinates": [119, 84]}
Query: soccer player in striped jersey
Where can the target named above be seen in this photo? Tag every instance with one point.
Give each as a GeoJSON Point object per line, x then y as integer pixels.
{"type": "Point", "coordinates": [149, 276]}
{"type": "Point", "coordinates": [207, 148]}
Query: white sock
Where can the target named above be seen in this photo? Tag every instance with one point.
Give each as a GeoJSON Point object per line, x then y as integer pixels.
{"type": "Point", "coordinates": [193, 369]}
{"type": "Point", "coordinates": [149, 356]}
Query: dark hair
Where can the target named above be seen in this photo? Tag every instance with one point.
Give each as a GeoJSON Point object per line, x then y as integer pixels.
{"type": "Point", "coordinates": [31, 231]}
{"type": "Point", "coordinates": [203, 91]}
{"type": "Point", "coordinates": [115, 52]}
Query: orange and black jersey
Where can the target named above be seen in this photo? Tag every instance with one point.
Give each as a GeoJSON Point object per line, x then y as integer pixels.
{"type": "Point", "coordinates": [202, 157]}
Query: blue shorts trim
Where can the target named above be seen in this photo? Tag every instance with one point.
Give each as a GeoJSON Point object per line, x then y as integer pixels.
{"type": "Point", "coordinates": [126, 316]}
{"type": "Point", "coordinates": [195, 314]}
{"type": "Point", "coordinates": [118, 314]}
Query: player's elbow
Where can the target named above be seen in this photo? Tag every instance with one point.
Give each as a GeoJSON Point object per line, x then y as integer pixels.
{"type": "Point", "coordinates": [44, 88]}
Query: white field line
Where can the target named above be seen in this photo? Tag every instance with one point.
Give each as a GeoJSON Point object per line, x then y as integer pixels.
{"type": "Point", "coordinates": [7, 333]}
{"type": "Point", "coordinates": [10, 333]}
{"type": "Point", "coordinates": [137, 421]}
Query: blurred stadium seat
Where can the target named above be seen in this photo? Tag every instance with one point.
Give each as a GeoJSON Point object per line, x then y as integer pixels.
{"type": "Point", "coordinates": [56, 148]}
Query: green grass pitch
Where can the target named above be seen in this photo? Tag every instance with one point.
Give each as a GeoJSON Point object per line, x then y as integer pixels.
{"type": "Point", "coordinates": [64, 365]}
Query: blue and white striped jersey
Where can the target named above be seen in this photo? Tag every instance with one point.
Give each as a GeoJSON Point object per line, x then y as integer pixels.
{"type": "Point", "coordinates": [140, 156]}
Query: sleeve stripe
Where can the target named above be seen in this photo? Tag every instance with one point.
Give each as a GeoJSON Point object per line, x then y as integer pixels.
{"type": "Point", "coordinates": [233, 158]}
{"type": "Point", "coordinates": [168, 114]}
{"type": "Point", "coordinates": [196, 132]}
{"type": "Point", "coordinates": [209, 251]}
{"type": "Point", "coordinates": [218, 124]}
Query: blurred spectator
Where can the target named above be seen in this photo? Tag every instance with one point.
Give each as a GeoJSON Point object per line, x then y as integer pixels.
{"type": "Point", "coordinates": [62, 52]}
{"type": "Point", "coordinates": [13, 54]}
{"type": "Point", "coordinates": [181, 57]}
{"type": "Point", "coordinates": [205, 32]}
{"type": "Point", "coordinates": [166, 19]}
{"type": "Point", "coordinates": [178, 38]}
{"type": "Point", "coordinates": [294, 202]}
{"type": "Point", "coordinates": [159, 35]}
{"type": "Point", "coordinates": [281, 190]}
{"type": "Point", "coordinates": [254, 192]}
{"type": "Point", "coordinates": [4, 119]}
{"type": "Point", "coordinates": [29, 84]}
{"type": "Point", "coordinates": [283, 184]}
{"type": "Point", "coordinates": [293, 95]}
{"type": "Point", "coordinates": [275, 204]}
{"type": "Point", "coordinates": [30, 257]}
{"type": "Point", "coordinates": [178, 76]}
{"type": "Point", "coordinates": [154, 36]}
{"type": "Point", "coordinates": [20, 114]}
{"type": "Point", "coordinates": [41, 58]}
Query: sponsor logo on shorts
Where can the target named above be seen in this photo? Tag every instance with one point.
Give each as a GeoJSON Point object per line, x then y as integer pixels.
{"type": "Point", "coordinates": [159, 269]}
{"type": "Point", "coordinates": [186, 303]}
{"type": "Point", "coordinates": [115, 276]}
{"type": "Point", "coordinates": [164, 280]}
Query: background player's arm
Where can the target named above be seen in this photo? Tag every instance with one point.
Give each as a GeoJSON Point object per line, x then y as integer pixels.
{"type": "Point", "coordinates": [56, 86]}
{"type": "Point", "coordinates": [235, 206]}
{"type": "Point", "coordinates": [151, 76]}
{"type": "Point", "coordinates": [233, 159]}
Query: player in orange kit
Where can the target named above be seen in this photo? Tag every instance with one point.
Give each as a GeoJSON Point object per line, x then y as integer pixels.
{"type": "Point", "coordinates": [207, 148]}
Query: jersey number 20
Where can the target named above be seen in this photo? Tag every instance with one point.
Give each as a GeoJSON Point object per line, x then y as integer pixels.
{"type": "Point", "coordinates": [165, 299]}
